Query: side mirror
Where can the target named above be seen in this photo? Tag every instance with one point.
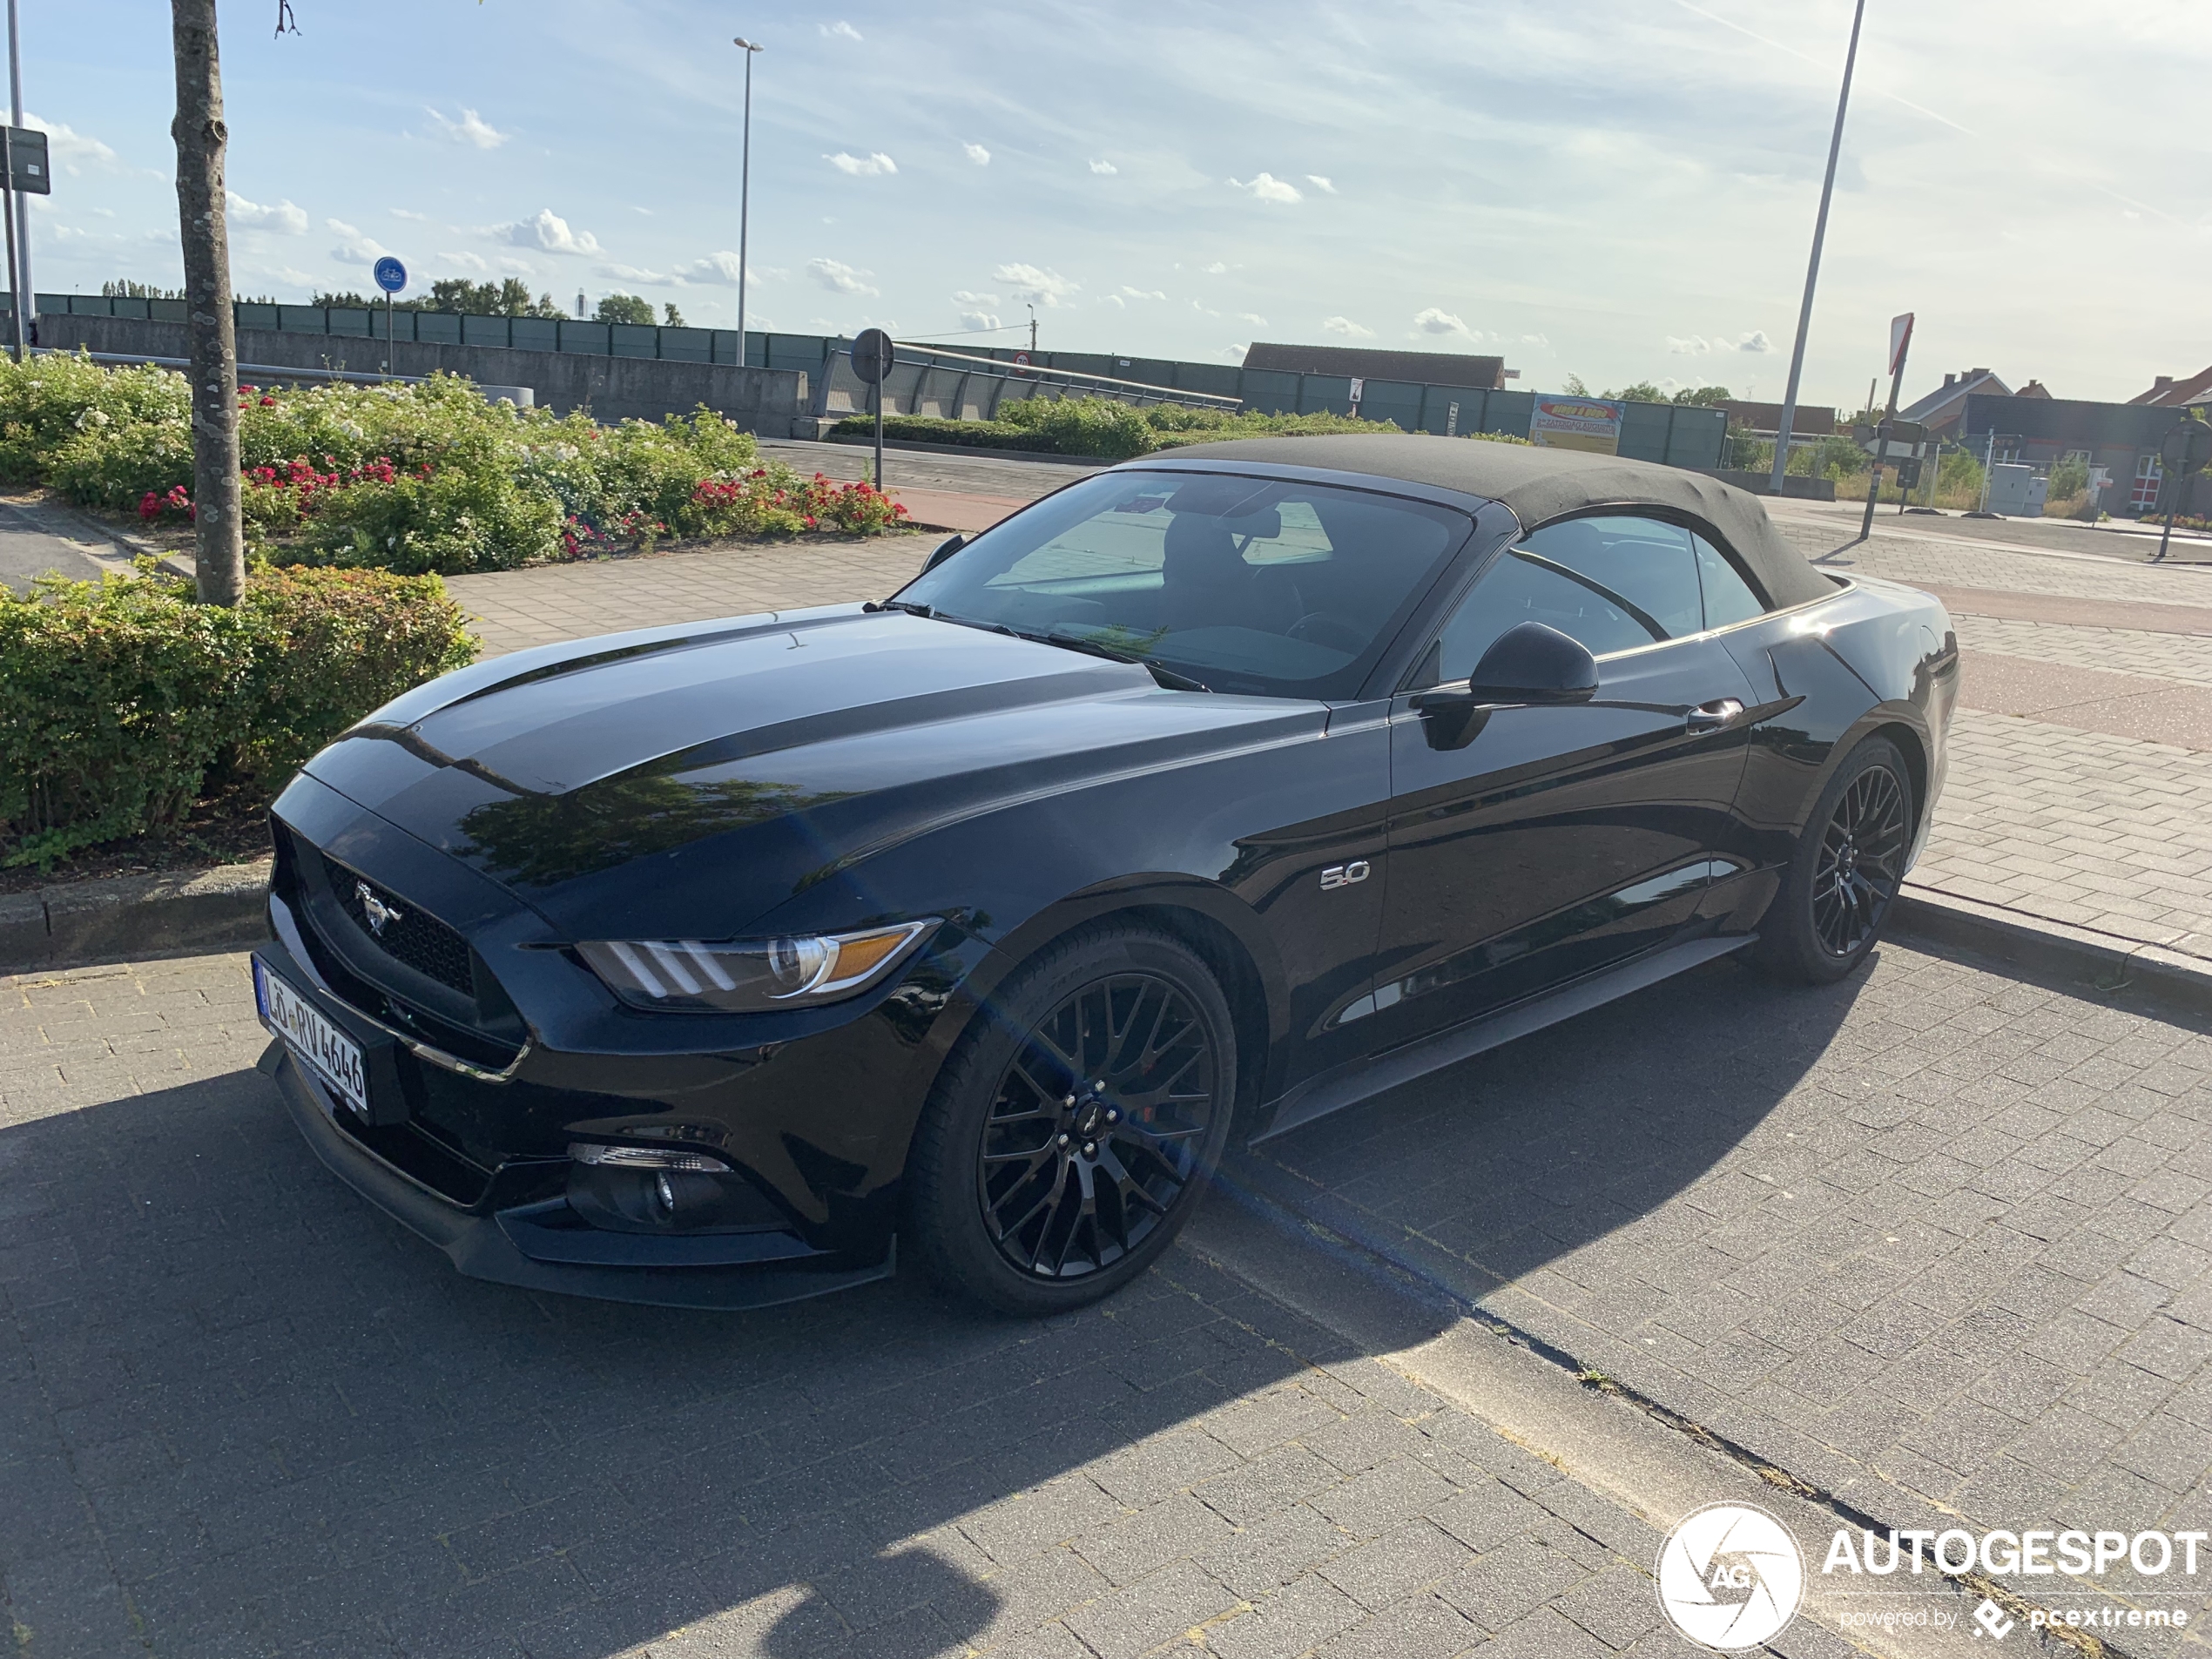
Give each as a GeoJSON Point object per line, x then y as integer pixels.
{"type": "Point", "coordinates": [944, 550]}
{"type": "Point", "coordinates": [1526, 664]}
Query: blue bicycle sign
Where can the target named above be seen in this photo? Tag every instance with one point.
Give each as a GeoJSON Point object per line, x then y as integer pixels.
{"type": "Point", "coordinates": [391, 275]}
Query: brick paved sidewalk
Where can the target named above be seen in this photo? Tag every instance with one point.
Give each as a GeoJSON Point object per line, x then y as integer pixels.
{"type": "Point", "coordinates": [240, 1412]}
{"type": "Point", "coordinates": [1934, 1239]}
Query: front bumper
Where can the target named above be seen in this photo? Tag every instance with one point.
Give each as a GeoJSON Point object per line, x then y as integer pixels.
{"type": "Point", "coordinates": [485, 1246]}
{"type": "Point", "coordinates": [522, 1230]}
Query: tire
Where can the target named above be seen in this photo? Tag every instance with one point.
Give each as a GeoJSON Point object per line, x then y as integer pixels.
{"type": "Point", "coordinates": [1032, 1191]}
{"type": "Point", "coordinates": [1843, 878]}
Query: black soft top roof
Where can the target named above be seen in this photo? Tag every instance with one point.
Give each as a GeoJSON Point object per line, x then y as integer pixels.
{"type": "Point", "coordinates": [1540, 484]}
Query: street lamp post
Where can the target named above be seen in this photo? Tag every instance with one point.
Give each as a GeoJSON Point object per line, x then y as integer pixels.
{"type": "Point", "coordinates": [745, 187]}
{"type": "Point", "coordinates": [19, 273]}
{"type": "Point", "coordinates": [1812, 270]}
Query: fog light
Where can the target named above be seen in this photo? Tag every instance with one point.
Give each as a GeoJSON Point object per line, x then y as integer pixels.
{"type": "Point", "coordinates": [646, 1157]}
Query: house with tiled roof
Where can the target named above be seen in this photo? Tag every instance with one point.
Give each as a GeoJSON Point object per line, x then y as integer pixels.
{"type": "Point", "coordinates": [2172, 394]}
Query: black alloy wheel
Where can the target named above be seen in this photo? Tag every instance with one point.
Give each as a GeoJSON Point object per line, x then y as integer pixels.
{"type": "Point", "coordinates": [1075, 1125]}
{"type": "Point", "coordinates": [1096, 1126]}
{"type": "Point", "coordinates": [1861, 863]}
{"type": "Point", "coordinates": [1843, 879]}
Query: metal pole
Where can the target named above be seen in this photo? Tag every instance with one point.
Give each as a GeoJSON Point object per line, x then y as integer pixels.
{"type": "Point", "coordinates": [1812, 269]}
{"type": "Point", "coordinates": [744, 190]}
{"type": "Point", "coordinates": [1882, 448]}
{"type": "Point", "coordinates": [19, 268]}
{"type": "Point", "coordinates": [8, 206]}
{"type": "Point", "coordinates": [878, 432]}
{"type": "Point", "coordinates": [2173, 484]}
{"type": "Point", "coordinates": [387, 331]}
{"type": "Point", "coordinates": [1988, 460]}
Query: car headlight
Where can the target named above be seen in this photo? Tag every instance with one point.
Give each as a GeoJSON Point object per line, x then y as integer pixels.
{"type": "Point", "coordinates": [747, 976]}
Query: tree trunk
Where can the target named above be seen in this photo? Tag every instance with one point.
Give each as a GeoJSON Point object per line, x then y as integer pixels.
{"type": "Point", "coordinates": [219, 549]}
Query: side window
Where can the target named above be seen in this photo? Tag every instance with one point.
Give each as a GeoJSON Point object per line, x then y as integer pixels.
{"type": "Point", "coordinates": [1728, 598]}
{"type": "Point", "coordinates": [1614, 583]}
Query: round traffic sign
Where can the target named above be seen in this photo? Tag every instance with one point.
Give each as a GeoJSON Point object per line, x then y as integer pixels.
{"type": "Point", "coordinates": [873, 355]}
{"type": "Point", "coordinates": [391, 275]}
{"type": "Point", "coordinates": [2187, 445]}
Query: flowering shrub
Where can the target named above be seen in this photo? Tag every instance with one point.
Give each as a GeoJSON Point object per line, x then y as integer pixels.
{"type": "Point", "coordinates": [119, 698]}
{"type": "Point", "coordinates": [763, 503]}
{"type": "Point", "coordinates": [415, 478]}
{"type": "Point", "coordinates": [176, 503]}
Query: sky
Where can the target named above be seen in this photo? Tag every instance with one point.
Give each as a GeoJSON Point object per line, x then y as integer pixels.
{"type": "Point", "coordinates": [1621, 190]}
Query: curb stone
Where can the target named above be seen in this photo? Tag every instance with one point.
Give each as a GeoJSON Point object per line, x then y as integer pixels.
{"type": "Point", "coordinates": [134, 917]}
{"type": "Point", "coordinates": [2016, 939]}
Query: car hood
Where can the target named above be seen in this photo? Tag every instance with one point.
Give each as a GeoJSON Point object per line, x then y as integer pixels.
{"type": "Point", "coordinates": [684, 782]}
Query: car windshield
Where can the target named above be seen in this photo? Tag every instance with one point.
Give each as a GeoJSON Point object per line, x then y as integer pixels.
{"type": "Point", "coordinates": [1268, 586]}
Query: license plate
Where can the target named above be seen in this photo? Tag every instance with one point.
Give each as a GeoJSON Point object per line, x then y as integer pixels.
{"type": "Point", "coordinates": [329, 1053]}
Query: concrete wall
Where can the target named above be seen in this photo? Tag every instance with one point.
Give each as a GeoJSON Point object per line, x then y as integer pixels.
{"type": "Point", "coordinates": [765, 401]}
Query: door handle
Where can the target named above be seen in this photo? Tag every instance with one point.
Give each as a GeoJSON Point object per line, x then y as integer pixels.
{"type": "Point", "coordinates": [1714, 716]}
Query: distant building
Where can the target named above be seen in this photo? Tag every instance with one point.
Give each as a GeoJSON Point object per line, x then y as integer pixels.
{"type": "Point", "coordinates": [2166, 391]}
{"type": "Point", "coordinates": [2123, 438]}
{"type": "Point", "coordinates": [1941, 409]}
{"type": "Point", "coordinates": [1363, 362]}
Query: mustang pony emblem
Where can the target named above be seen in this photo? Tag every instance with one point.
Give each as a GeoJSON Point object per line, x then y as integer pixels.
{"type": "Point", "coordinates": [380, 915]}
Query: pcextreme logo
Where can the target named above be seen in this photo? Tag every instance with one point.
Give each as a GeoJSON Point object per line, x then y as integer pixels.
{"type": "Point", "coordinates": [1730, 1576]}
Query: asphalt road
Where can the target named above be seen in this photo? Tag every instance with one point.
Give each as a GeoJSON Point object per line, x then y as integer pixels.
{"type": "Point", "coordinates": [27, 551]}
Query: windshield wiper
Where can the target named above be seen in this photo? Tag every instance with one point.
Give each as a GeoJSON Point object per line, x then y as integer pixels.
{"type": "Point", "coordinates": [1168, 679]}
{"type": "Point", "coordinates": [930, 614]}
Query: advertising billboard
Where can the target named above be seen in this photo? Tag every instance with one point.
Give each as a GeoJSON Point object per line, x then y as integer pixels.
{"type": "Point", "coordinates": [1560, 422]}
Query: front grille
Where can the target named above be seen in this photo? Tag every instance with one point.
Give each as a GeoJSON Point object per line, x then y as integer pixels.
{"type": "Point", "coordinates": [420, 941]}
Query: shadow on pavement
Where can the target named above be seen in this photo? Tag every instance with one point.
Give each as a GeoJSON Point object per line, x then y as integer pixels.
{"type": "Point", "coordinates": [280, 1423]}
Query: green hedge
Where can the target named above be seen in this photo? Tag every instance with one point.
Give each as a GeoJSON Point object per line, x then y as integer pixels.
{"type": "Point", "coordinates": [1096, 426]}
{"type": "Point", "coordinates": [122, 701]}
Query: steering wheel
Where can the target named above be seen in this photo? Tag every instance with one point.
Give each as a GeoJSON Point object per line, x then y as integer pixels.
{"type": "Point", "coordinates": [1319, 628]}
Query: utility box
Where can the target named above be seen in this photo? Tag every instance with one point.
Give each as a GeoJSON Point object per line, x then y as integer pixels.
{"type": "Point", "coordinates": [2015, 491]}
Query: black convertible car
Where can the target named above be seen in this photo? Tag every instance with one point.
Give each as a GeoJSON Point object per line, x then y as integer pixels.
{"type": "Point", "coordinates": [698, 965]}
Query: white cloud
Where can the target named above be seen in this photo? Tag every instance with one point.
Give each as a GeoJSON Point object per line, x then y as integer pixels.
{"type": "Point", "coordinates": [838, 278]}
{"type": "Point", "coordinates": [1267, 187]}
{"type": "Point", "coordinates": [471, 128]}
{"type": "Point", "coordinates": [719, 269]}
{"type": "Point", "coordinates": [514, 267]}
{"type": "Point", "coordinates": [1535, 339]}
{"type": "Point", "coordinates": [1037, 287]}
{"type": "Point", "coordinates": [858, 167]}
{"type": "Point", "coordinates": [1217, 268]}
{"type": "Point", "coordinates": [841, 30]}
{"type": "Point", "coordinates": [976, 153]}
{"type": "Point", "coordinates": [1143, 294]}
{"type": "Point", "coordinates": [963, 297]}
{"type": "Point", "coordinates": [1234, 353]}
{"type": "Point", "coordinates": [631, 273]}
{"type": "Point", "coordinates": [980, 321]}
{"type": "Point", "coordinates": [1695, 346]}
{"type": "Point", "coordinates": [353, 247]}
{"type": "Point", "coordinates": [408, 213]}
{"type": "Point", "coordinates": [550, 234]}
{"type": "Point", "coordinates": [280, 216]}
{"type": "Point", "coordinates": [1755, 342]}
{"type": "Point", "coordinates": [1321, 183]}
{"type": "Point", "coordinates": [67, 146]}
{"type": "Point", "coordinates": [466, 261]}
{"type": "Point", "coordinates": [1438, 322]}
{"type": "Point", "coordinates": [1256, 321]}
{"type": "Point", "coordinates": [1345, 326]}
{"type": "Point", "coordinates": [1105, 167]}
